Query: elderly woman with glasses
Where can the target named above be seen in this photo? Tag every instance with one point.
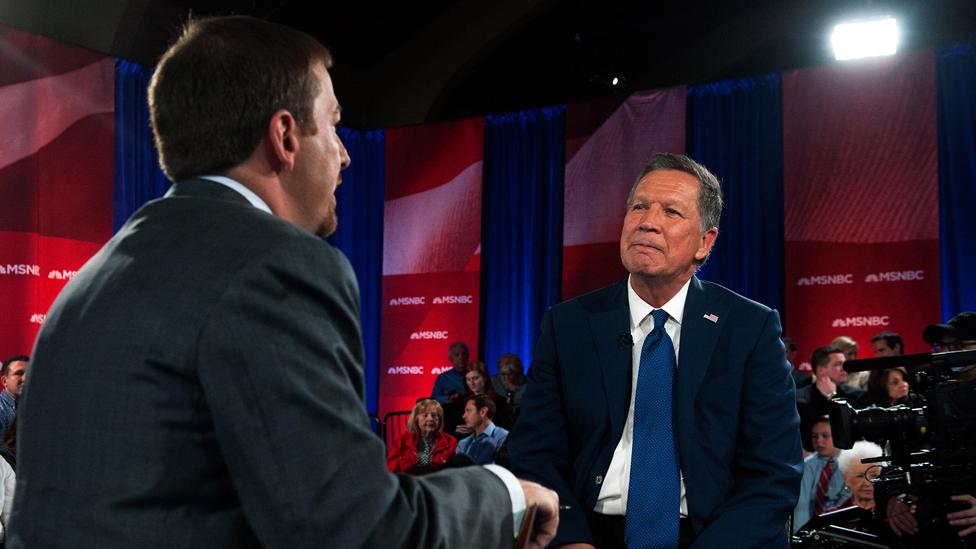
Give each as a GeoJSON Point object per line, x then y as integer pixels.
{"type": "Point", "coordinates": [425, 447]}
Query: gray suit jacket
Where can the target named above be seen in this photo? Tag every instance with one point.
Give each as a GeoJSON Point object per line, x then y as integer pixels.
{"type": "Point", "coordinates": [199, 384]}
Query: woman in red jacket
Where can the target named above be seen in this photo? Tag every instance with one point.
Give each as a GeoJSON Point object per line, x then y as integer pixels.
{"type": "Point", "coordinates": [424, 447]}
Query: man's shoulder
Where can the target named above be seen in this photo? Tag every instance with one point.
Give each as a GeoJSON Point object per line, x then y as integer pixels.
{"type": "Point", "coordinates": [594, 301]}
{"type": "Point", "coordinates": [714, 292]}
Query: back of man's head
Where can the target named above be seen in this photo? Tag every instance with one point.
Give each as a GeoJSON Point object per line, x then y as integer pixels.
{"type": "Point", "coordinates": [5, 369]}
{"type": "Point", "coordinates": [215, 89]}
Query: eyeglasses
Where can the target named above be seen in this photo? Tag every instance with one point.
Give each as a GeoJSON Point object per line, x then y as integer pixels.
{"type": "Point", "coordinates": [870, 473]}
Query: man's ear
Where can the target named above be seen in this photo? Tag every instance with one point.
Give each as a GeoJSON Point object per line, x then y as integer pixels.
{"type": "Point", "coordinates": [283, 138]}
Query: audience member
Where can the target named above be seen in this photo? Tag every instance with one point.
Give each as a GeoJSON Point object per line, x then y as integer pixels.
{"type": "Point", "coordinates": [449, 386]}
{"type": "Point", "coordinates": [848, 346]}
{"type": "Point", "coordinates": [886, 387]}
{"type": "Point", "coordinates": [425, 447]}
{"type": "Point", "coordinates": [486, 437]}
{"type": "Point", "coordinates": [822, 486]}
{"type": "Point", "coordinates": [510, 381]}
{"type": "Point", "coordinates": [813, 401]}
{"type": "Point", "coordinates": [802, 376]}
{"type": "Point", "coordinates": [12, 373]}
{"type": "Point", "coordinates": [857, 475]}
{"type": "Point", "coordinates": [887, 344]}
{"type": "Point", "coordinates": [478, 383]}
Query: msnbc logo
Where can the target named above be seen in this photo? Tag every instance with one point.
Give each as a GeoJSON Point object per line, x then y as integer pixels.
{"type": "Point", "coordinates": [826, 280]}
{"type": "Point", "coordinates": [861, 321]}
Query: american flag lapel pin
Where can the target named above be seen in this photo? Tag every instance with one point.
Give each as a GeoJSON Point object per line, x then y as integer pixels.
{"type": "Point", "coordinates": [712, 317]}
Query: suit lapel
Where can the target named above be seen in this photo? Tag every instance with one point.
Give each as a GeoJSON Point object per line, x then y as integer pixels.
{"type": "Point", "coordinates": [699, 334]}
{"type": "Point", "coordinates": [607, 325]}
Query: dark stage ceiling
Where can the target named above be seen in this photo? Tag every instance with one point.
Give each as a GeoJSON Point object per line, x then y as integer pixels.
{"type": "Point", "coordinates": [426, 60]}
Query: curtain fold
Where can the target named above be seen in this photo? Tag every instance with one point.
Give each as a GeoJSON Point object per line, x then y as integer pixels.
{"type": "Point", "coordinates": [955, 85]}
{"type": "Point", "coordinates": [138, 178]}
{"type": "Point", "coordinates": [522, 224]}
{"type": "Point", "coordinates": [735, 130]}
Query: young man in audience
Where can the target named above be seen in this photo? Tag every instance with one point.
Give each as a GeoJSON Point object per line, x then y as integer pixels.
{"type": "Point", "coordinates": [822, 486]}
{"type": "Point", "coordinates": [486, 437]}
{"type": "Point", "coordinates": [813, 401]}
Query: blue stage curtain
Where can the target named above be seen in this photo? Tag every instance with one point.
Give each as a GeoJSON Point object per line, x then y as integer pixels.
{"type": "Point", "coordinates": [359, 206]}
{"type": "Point", "coordinates": [735, 129]}
{"type": "Point", "coordinates": [138, 178]}
{"type": "Point", "coordinates": [522, 227]}
{"type": "Point", "coordinates": [956, 78]}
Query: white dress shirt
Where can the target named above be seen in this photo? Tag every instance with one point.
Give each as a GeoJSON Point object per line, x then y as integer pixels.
{"type": "Point", "coordinates": [613, 492]}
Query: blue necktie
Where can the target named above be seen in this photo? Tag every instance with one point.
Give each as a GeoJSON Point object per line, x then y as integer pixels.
{"type": "Point", "coordinates": [654, 495]}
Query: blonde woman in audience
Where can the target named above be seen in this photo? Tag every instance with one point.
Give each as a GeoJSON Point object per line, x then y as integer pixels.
{"type": "Point", "coordinates": [425, 447]}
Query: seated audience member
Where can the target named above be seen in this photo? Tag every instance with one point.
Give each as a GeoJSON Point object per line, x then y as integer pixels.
{"type": "Point", "coordinates": [478, 383]}
{"type": "Point", "coordinates": [449, 385]}
{"type": "Point", "coordinates": [424, 447]}
{"type": "Point", "coordinates": [509, 382]}
{"type": "Point", "coordinates": [486, 437]}
{"type": "Point", "coordinates": [813, 401]}
{"type": "Point", "coordinates": [959, 334]}
{"type": "Point", "coordinates": [822, 485]}
{"type": "Point", "coordinates": [886, 387]}
{"type": "Point", "coordinates": [857, 475]}
{"type": "Point", "coordinates": [887, 344]}
{"type": "Point", "coordinates": [848, 346]}
{"type": "Point", "coordinates": [801, 377]}
{"type": "Point", "coordinates": [12, 372]}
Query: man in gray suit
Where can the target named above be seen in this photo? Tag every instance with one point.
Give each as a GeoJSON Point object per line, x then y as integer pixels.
{"type": "Point", "coordinates": [199, 382]}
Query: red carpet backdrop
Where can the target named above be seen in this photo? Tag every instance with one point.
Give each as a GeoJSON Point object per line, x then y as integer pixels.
{"type": "Point", "coordinates": [606, 145]}
{"type": "Point", "coordinates": [431, 254]}
{"type": "Point", "coordinates": [56, 109]}
{"type": "Point", "coordinates": [861, 201]}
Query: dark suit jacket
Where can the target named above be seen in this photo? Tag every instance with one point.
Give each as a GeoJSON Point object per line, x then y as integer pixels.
{"type": "Point", "coordinates": [811, 404]}
{"type": "Point", "coordinates": [735, 413]}
{"type": "Point", "coordinates": [199, 384]}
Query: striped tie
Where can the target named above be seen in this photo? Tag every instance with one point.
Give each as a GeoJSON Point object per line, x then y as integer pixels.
{"type": "Point", "coordinates": [823, 485]}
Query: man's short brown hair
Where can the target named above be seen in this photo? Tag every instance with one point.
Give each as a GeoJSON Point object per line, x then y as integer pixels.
{"type": "Point", "coordinates": [483, 401]}
{"type": "Point", "coordinates": [215, 90]}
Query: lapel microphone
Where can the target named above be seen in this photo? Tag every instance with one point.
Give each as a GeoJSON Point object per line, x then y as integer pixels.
{"type": "Point", "coordinates": [625, 340]}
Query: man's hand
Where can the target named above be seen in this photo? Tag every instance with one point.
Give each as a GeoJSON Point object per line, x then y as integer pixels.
{"type": "Point", "coordinates": [900, 518]}
{"type": "Point", "coordinates": [966, 517]}
{"type": "Point", "coordinates": [826, 386]}
{"type": "Point", "coordinates": [452, 396]}
{"type": "Point", "coordinates": [547, 515]}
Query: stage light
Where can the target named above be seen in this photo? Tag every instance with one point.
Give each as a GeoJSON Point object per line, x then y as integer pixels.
{"type": "Point", "coordinates": [615, 81]}
{"type": "Point", "coordinates": [865, 39]}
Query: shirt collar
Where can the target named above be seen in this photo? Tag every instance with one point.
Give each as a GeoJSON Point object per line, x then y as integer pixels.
{"type": "Point", "coordinates": [639, 309]}
{"type": "Point", "coordinates": [254, 199]}
{"type": "Point", "coordinates": [489, 431]}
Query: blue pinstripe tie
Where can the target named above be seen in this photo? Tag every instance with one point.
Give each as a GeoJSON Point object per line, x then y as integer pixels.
{"type": "Point", "coordinates": [654, 495]}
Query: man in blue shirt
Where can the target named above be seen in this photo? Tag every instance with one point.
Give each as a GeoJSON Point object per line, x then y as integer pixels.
{"type": "Point", "coordinates": [486, 437]}
{"type": "Point", "coordinates": [450, 386]}
{"type": "Point", "coordinates": [12, 372]}
{"type": "Point", "coordinates": [821, 488]}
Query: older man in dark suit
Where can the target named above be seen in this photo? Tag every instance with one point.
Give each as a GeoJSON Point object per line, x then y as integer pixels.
{"type": "Point", "coordinates": [199, 382]}
{"type": "Point", "coordinates": [662, 408]}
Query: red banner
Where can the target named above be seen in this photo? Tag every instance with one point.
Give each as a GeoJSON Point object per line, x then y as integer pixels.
{"type": "Point", "coordinates": [431, 254]}
{"type": "Point", "coordinates": [56, 107]}
{"type": "Point", "coordinates": [862, 205]}
{"type": "Point", "coordinates": [607, 143]}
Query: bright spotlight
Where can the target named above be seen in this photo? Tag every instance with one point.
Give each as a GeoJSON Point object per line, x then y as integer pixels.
{"type": "Point", "coordinates": [865, 39]}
